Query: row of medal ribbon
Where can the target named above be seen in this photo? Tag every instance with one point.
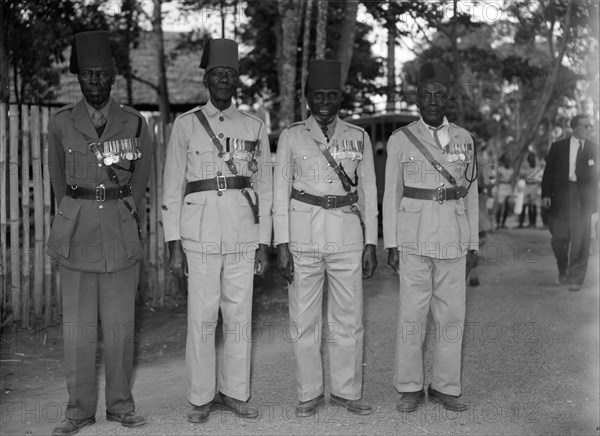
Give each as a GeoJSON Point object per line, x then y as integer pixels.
{"type": "Point", "coordinates": [459, 152]}
{"type": "Point", "coordinates": [346, 149]}
{"type": "Point", "coordinates": [240, 149]}
{"type": "Point", "coordinates": [118, 149]}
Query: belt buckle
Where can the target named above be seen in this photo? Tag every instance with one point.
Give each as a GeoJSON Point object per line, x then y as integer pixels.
{"type": "Point", "coordinates": [441, 198]}
{"type": "Point", "coordinates": [100, 193]}
{"type": "Point", "coordinates": [330, 202]}
{"type": "Point", "coordinates": [221, 183]}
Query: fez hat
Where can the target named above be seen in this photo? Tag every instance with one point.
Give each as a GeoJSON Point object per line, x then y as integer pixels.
{"type": "Point", "coordinates": [324, 74]}
{"type": "Point", "coordinates": [220, 52]}
{"type": "Point", "coordinates": [434, 72]}
{"type": "Point", "coordinates": [89, 50]}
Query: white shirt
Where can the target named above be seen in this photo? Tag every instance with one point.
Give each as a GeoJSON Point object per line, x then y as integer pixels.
{"type": "Point", "coordinates": [442, 131]}
{"type": "Point", "coordinates": [573, 147]}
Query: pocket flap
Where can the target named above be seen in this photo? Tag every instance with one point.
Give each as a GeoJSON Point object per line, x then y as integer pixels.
{"type": "Point", "coordinates": [411, 205]}
{"type": "Point", "coordinates": [69, 209]}
{"type": "Point", "coordinates": [299, 206]}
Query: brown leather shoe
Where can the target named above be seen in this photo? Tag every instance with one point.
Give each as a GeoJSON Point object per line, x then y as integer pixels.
{"type": "Point", "coordinates": [409, 401]}
{"type": "Point", "coordinates": [448, 402]}
{"type": "Point", "coordinates": [240, 408]}
{"type": "Point", "coordinates": [199, 414]}
{"type": "Point", "coordinates": [129, 419]}
{"type": "Point", "coordinates": [359, 406]}
{"type": "Point", "coordinates": [310, 407]}
{"type": "Point", "coordinates": [72, 426]}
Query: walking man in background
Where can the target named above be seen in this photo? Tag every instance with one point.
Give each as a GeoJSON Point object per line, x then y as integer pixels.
{"type": "Point", "coordinates": [324, 189]}
{"type": "Point", "coordinates": [99, 156]}
{"type": "Point", "coordinates": [570, 193]}
{"type": "Point", "coordinates": [430, 228]}
{"type": "Point", "coordinates": [216, 171]}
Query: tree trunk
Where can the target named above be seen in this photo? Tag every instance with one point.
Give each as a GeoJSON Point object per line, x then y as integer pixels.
{"type": "Point", "coordinates": [320, 46]}
{"type": "Point", "coordinates": [128, 8]}
{"type": "Point", "coordinates": [4, 62]}
{"type": "Point", "coordinates": [456, 68]}
{"type": "Point", "coordinates": [347, 36]}
{"type": "Point", "coordinates": [163, 90]}
{"type": "Point", "coordinates": [531, 123]}
{"type": "Point", "coordinates": [305, 55]}
{"type": "Point", "coordinates": [391, 63]}
{"type": "Point", "coordinates": [289, 11]}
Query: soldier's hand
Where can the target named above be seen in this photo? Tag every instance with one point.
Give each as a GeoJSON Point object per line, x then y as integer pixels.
{"type": "Point", "coordinates": [285, 262]}
{"type": "Point", "coordinates": [393, 260]}
{"type": "Point", "coordinates": [177, 260]}
{"type": "Point", "coordinates": [471, 261]}
{"type": "Point", "coordinates": [546, 202]}
{"type": "Point", "coordinates": [369, 261]}
{"type": "Point", "coordinates": [261, 260]}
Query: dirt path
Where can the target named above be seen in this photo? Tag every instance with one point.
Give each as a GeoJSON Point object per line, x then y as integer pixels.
{"type": "Point", "coordinates": [530, 361]}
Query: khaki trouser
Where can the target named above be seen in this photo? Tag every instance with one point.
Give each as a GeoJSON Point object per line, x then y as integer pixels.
{"type": "Point", "coordinates": [440, 284]}
{"type": "Point", "coordinates": [219, 281]}
{"type": "Point", "coordinates": [343, 333]}
{"type": "Point", "coordinates": [112, 295]}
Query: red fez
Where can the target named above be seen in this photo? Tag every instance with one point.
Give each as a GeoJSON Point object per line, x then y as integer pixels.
{"type": "Point", "coordinates": [90, 50]}
{"type": "Point", "coordinates": [434, 72]}
{"type": "Point", "coordinates": [220, 52]}
{"type": "Point", "coordinates": [324, 74]}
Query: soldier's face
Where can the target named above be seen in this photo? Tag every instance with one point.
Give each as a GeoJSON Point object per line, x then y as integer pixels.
{"type": "Point", "coordinates": [324, 104]}
{"type": "Point", "coordinates": [433, 102]}
{"type": "Point", "coordinates": [96, 84]}
{"type": "Point", "coordinates": [221, 83]}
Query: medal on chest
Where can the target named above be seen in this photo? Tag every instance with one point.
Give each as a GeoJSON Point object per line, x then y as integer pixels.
{"type": "Point", "coordinates": [346, 149]}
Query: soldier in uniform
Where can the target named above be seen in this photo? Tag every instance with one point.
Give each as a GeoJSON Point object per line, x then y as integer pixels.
{"type": "Point", "coordinates": [430, 219]}
{"type": "Point", "coordinates": [99, 156]}
{"type": "Point", "coordinates": [216, 214]}
{"type": "Point", "coordinates": [324, 181]}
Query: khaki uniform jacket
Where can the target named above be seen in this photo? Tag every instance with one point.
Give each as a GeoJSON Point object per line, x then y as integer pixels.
{"type": "Point", "coordinates": [205, 221]}
{"type": "Point", "coordinates": [88, 235]}
{"type": "Point", "coordinates": [300, 164]}
{"type": "Point", "coordinates": [426, 227]}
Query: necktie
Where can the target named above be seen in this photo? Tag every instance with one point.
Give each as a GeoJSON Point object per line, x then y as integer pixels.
{"type": "Point", "coordinates": [99, 122]}
{"type": "Point", "coordinates": [324, 129]}
{"type": "Point", "coordinates": [436, 137]}
{"type": "Point", "coordinates": [578, 158]}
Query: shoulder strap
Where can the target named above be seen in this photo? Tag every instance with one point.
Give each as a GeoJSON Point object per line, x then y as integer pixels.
{"type": "Point", "coordinates": [421, 147]}
{"type": "Point", "coordinates": [346, 183]}
{"type": "Point", "coordinates": [202, 118]}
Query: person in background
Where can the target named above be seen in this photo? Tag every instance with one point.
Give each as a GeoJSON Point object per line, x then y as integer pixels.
{"type": "Point", "coordinates": [532, 174]}
{"type": "Point", "coordinates": [504, 193]}
{"type": "Point", "coordinates": [99, 156]}
{"type": "Point", "coordinates": [570, 193]}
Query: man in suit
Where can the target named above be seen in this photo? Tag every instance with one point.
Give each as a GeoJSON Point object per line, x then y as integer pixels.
{"type": "Point", "coordinates": [430, 228]}
{"type": "Point", "coordinates": [216, 171]}
{"type": "Point", "coordinates": [99, 156]}
{"type": "Point", "coordinates": [570, 193]}
{"type": "Point", "coordinates": [324, 181]}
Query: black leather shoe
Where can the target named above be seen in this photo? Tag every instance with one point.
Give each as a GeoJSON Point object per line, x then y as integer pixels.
{"type": "Point", "coordinates": [574, 287]}
{"type": "Point", "coordinates": [359, 406]}
{"type": "Point", "coordinates": [72, 426]}
{"type": "Point", "coordinates": [448, 402]}
{"type": "Point", "coordinates": [562, 279]}
{"type": "Point", "coordinates": [199, 414]}
{"type": "Point", "coordinates": [240, 408]}
{"type": "Point", "coordinates": [409, 401]}
{"type": "Point", "coordinates": [129, 419]}
{"type": "Point", "coordinates": [310, 407]}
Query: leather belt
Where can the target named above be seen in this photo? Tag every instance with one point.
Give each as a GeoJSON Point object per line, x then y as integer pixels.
{"type": "Point", "coordinates": [326, 201]}
{"type": "Point", "coordinates": [440, 194]}
{"type": "Point", "coordinates": [100, 193]}
{"type": "Point", "coordinates": [219, 183]}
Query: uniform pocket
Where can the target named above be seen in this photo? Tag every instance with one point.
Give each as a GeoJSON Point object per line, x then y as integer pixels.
{"type": "Point", "coordinates": [409, 218]}
{"type": "Point", "coordinates": [352, 231]}
{"type": "Point", "coordinates": [463, 221]}
{"type": "Point", "coordinates": [300, 222]}
{"type": "Point", "coordinates": [63, 227]}
{"type": "Point", "coordinates": [191, 217]}
{"type": "Point", "coordinates": [248, 230]}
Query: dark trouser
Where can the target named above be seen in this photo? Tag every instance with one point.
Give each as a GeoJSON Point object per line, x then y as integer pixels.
{"type": "Point", "coordinates": [570, 229]}
{"type": "Point", "coordinates": [85, 295]}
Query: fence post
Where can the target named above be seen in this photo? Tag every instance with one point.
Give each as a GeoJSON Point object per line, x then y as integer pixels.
{"type": "Point", "coordinates": [38, 212]}
{"type": "Point", "coordinates": [13, 177]}
{"type": "Point", "coordinates": [47, 212]}
{"type": "Point", "coordinates": [25, 262]}
{"type": "Point", "coordinates": [3, 222]}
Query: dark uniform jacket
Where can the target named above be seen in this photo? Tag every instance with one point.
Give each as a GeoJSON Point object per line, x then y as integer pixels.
{"type": "Point", "coordinates": [90, 235]}
{"type": "Point", "coordinates": [555, 182]}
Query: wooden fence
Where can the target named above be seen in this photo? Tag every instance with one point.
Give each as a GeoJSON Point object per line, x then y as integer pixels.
{"type": "Point", "coordinates": [29, 282]}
